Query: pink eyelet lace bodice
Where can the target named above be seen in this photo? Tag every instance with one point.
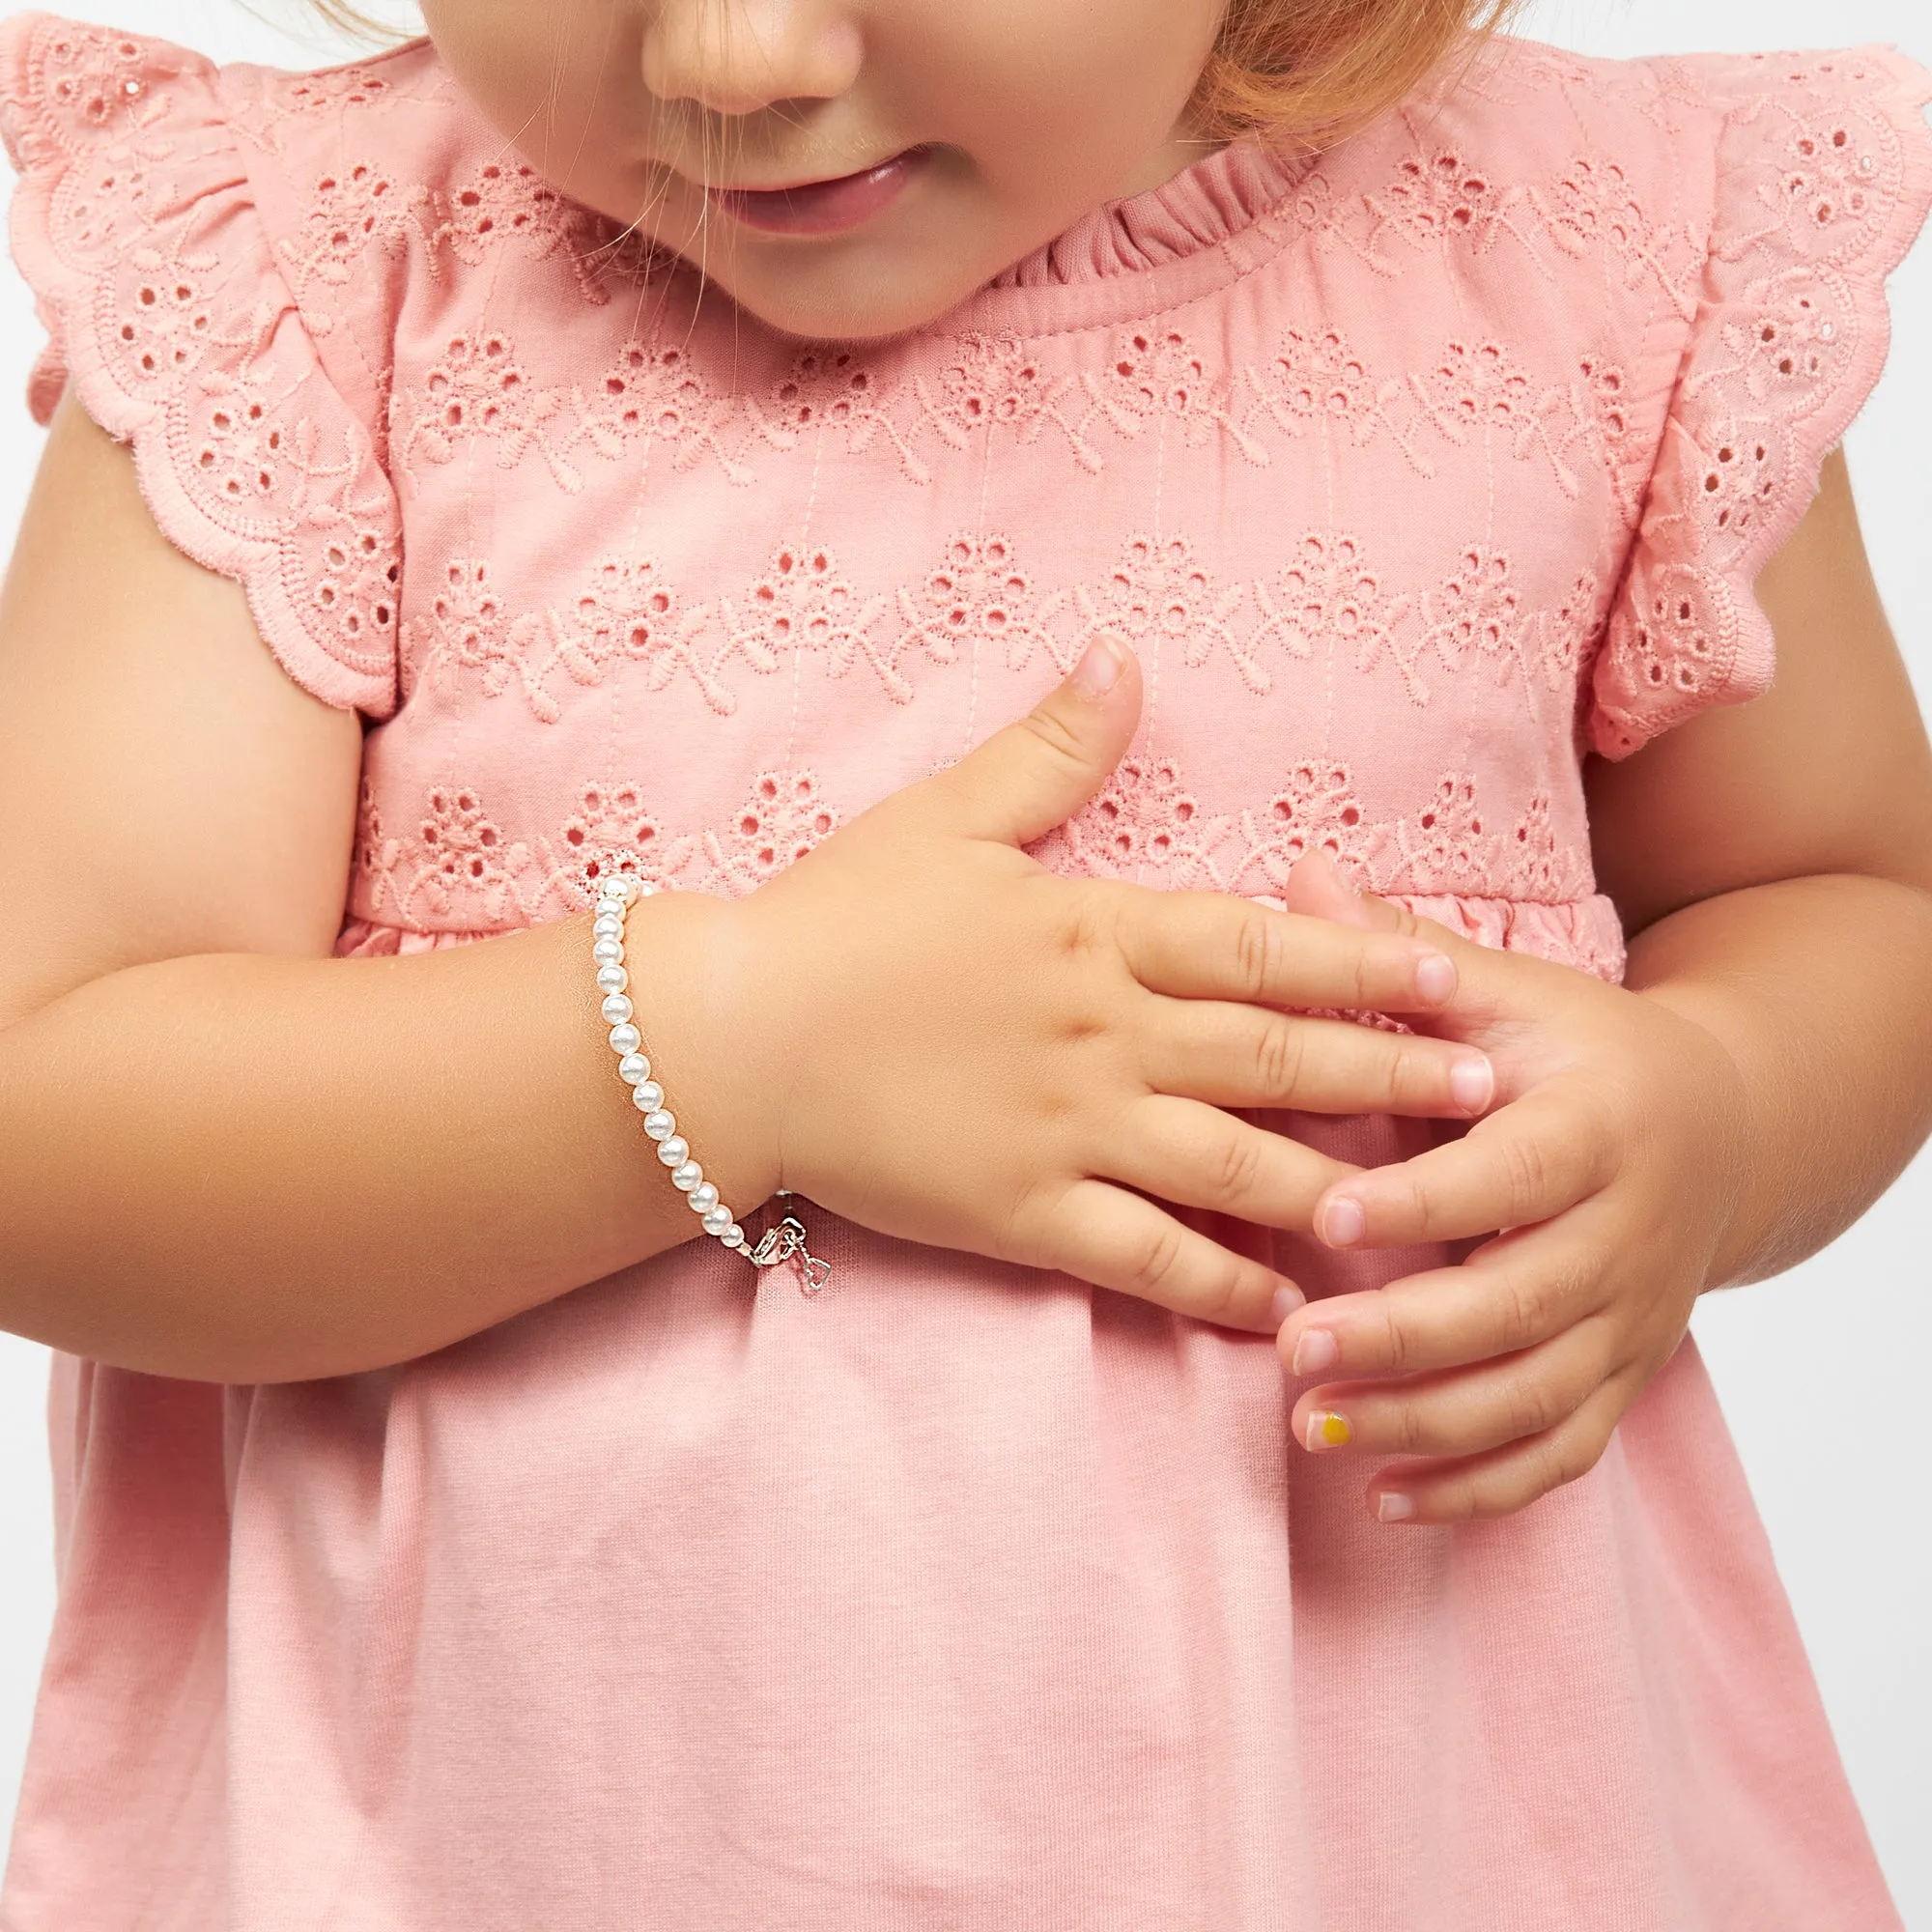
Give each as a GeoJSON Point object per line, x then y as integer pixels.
{"type": "Point", "coordinates": [1415, 472]}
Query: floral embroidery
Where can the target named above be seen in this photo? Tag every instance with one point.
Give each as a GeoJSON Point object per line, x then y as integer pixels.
{"type": "Point", "coordinates": [354, 209]}
{"type": "Point", "coordinates": [1555, 645]}
{"type": "Point", "coordinates": [479, 387]}
{"type": "Point", "coordinates": [1158, 376]}
{"type": "Point", "coordinates": [1146, 825]}
{"type": "Point", "coordinates": [977, 596]}
{"type": "Point", "coordinates": [1592, 206]}
{"type": "Point", "coordinates": [1433, 198]}
{"type": "Point", "coordinates": [1160, 595]}
{"type": "Point", "coordinates": [1327, 592]}
{"type": "Point", "coordinates": [628, 612]}
{"type": "Point", "coordinates": [616, 831]}
{"type": "Point", "coordinates": [465, 853]}
{"type": "Point", "coordinates": [1316, 809]}
{"type": "Point", "coordinates": [1149, 827]}
{"type": "Point", "coordinates": [804, 602]}
{"type": "Point", "coordinates": [835, 391]}
{"type": "Point", "coordinates": [655, 391]}
{"type": "Point", "coordinates": [1603, 404]}
{"type": "Point", "coordinates": [1479, 389]}
{"type": "Point", "coordinates": [1812, 185]}
{"type": "Point", "coordinates": [999, 382]}
{"type": "Point", "coordinates": [194, 329]}
{"type": "Point", "coordinates": [264, 473]}
{"type": "Point", "coordinates": [461, 865]}
{"type": "Point", "coordinates": [1142, 821]}
{"type": "Point", "coordinates": [96, 78]}
{"type": "Point", "coordinates": [464, 626]}
{"type": "Point", "coordinates": [1474, 612]}
{"type": "Point", "coordinates": [336, 88]}
{"type": "Point", "coordinates": [1318, 380]}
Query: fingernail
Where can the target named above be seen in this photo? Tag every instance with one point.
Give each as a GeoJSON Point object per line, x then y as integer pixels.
{"type": "Point", "coordinates": [1287, 1300]}
{"type": "Point", "coordinates": [1099, 670]}
{"type": "Point", "coordinates": [1314, 1349]}
{"type": "Point", "coordinates": [1327, 1429]}
{"type": "Point", "coordinates": [1472, 1084]}
{"type": "Point", "coordinates": [1392, 1506]}
{"type": "Point", "coordinates": [1342, 1223]}
{"type": "Point", "coordinates": [1436, 977]}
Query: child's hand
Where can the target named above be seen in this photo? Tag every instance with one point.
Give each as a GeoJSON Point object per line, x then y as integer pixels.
{"type": "Point", "coordinates": [928, 1032]}
{"type": "Point", "coordinates": [1612, 1163]}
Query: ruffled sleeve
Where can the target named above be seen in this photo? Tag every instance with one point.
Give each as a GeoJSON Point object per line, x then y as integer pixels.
{"type": "Point", "coordinates": [1822, 177]}
{"type": "Point", "coordinates": [135, 225]}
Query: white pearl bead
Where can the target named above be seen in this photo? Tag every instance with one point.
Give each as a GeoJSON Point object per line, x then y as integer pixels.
{"type": "Point", "coordinates": [686, 1175]}
{"type": "Point", "coordinates": [717, 1220]}
{"type": "Point", "coordinates": [609, 925]}
{"type": "Point", "coordinates": [660, 1126]}
{"type": "Point", "coordinates": [635, 1068]}
{"type": "Point", "coordinates": [613, 979]}
{"type": "Point", "coordinates": [647, 1097]}
{"type": "Point", "coordinates": [620, 885]}
{"type": "Point", "coordinates": [617, 1008]}
{"type": "Point", "coordinates": [674, 1151]}
{"type": "Point", "coordinates": [733, 1236]}
{"type": "Point", "coordinates": [625, 1039]}
{"type": "Point", "coordinates": [703, 1198]}
{"type": "Point", "coordinates": [608, 952]}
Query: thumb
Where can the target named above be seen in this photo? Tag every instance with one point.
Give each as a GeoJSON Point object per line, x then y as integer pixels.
{"type": "Point", "coordinates": [1314, 885]}
{"type": "Point", "coordinates": [1316, 888]}
{"type": "Point", "coordinates": [1033, 775]}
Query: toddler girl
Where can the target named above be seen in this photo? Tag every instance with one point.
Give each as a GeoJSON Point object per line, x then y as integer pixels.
{"type": "Point", "coordinates": [668, 443]}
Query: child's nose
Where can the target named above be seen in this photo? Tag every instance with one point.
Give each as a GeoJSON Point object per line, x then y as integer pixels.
{"type": "Point", "coordinates": [738, 56]}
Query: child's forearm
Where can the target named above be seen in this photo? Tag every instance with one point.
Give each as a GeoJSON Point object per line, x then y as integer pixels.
{"type": "Point", "coordinates": [1821, 991]}
{"type": "Point", "coordinates": [239, 1168]}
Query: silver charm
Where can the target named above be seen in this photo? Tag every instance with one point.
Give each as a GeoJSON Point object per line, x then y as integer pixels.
{"type": "Point", "coordinates": [785, 1241]}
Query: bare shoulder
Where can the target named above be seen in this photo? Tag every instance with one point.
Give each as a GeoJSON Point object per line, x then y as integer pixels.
{"type": "Point", "coordinates": [1828, 771]}
{"type": "Point", "coordinates": [165, 787]}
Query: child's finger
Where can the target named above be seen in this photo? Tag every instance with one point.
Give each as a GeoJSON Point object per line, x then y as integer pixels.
{"type": "Point", "coordinates": [1197, 1156]}
{"type": "Point", "coordinates": [1236, 1055]}
{"type": "Point", "coordinates": [1491, 984]}
{"type": "Point", "coordinates": [1213, 945]}
{"type": "Point", "coordinates": [1462, 1411]}
{"type": "Point", "coordinates": [1520, 1164]}
{"type": "Point", "coordinates": [1512, 1295]}
{"type": "Point", "coordinates": [1106, 1236]}
{"type": "Point", "coordinates": [1501, 1481]}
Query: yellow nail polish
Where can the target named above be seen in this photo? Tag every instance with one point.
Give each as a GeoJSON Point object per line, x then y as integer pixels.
{"type": "Point", "coordinates": [1327, 1429]}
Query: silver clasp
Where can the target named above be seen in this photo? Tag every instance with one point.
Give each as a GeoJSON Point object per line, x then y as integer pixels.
{"type": "Point", "coordinates": [786, 1241]}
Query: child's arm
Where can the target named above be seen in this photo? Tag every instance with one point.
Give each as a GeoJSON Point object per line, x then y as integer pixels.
{"type": "Point", "coordinates": [1765, 1075]}
{"type": "Point", "coordinates": [227, 1156]}
{"type": "Point", "coordinates": [230, 1156]}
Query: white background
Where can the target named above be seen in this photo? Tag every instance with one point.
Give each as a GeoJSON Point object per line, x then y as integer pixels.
{"type": "Point", "coordinates": [1822, 1373]}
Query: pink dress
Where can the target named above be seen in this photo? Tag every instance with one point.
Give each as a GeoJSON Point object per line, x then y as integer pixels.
{"type": "Point", "coordinates": [958, 1597]}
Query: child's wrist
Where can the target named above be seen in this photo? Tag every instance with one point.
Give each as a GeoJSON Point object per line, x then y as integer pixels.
{"type": "Point", "coordinates": [706, 1031]}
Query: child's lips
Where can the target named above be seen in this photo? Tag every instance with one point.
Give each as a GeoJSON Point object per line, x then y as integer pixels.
{"type": "Point", "coordinates": [822, 206]}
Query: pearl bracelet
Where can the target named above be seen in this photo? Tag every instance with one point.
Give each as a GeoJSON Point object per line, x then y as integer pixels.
{"type": "Point", "coordinates": [786, 1241]}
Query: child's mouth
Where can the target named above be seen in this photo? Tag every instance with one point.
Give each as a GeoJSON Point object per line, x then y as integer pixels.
{"type": "Point", "coordinates": [822, 206]}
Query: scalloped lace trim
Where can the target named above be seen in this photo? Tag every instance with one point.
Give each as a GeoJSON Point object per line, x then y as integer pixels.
{"type": "Point", "coordinates": [1824, 177]}
{"type": "Point", "coordinates": [184, 342]}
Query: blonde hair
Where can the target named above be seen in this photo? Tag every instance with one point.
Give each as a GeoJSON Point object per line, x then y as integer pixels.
{"type": "Point", "coordinates": [1307, 72]}
{"type": "Point", "coordinates": [340, 14]}
{"type": "Point", "coordinates": [1301, 72]}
